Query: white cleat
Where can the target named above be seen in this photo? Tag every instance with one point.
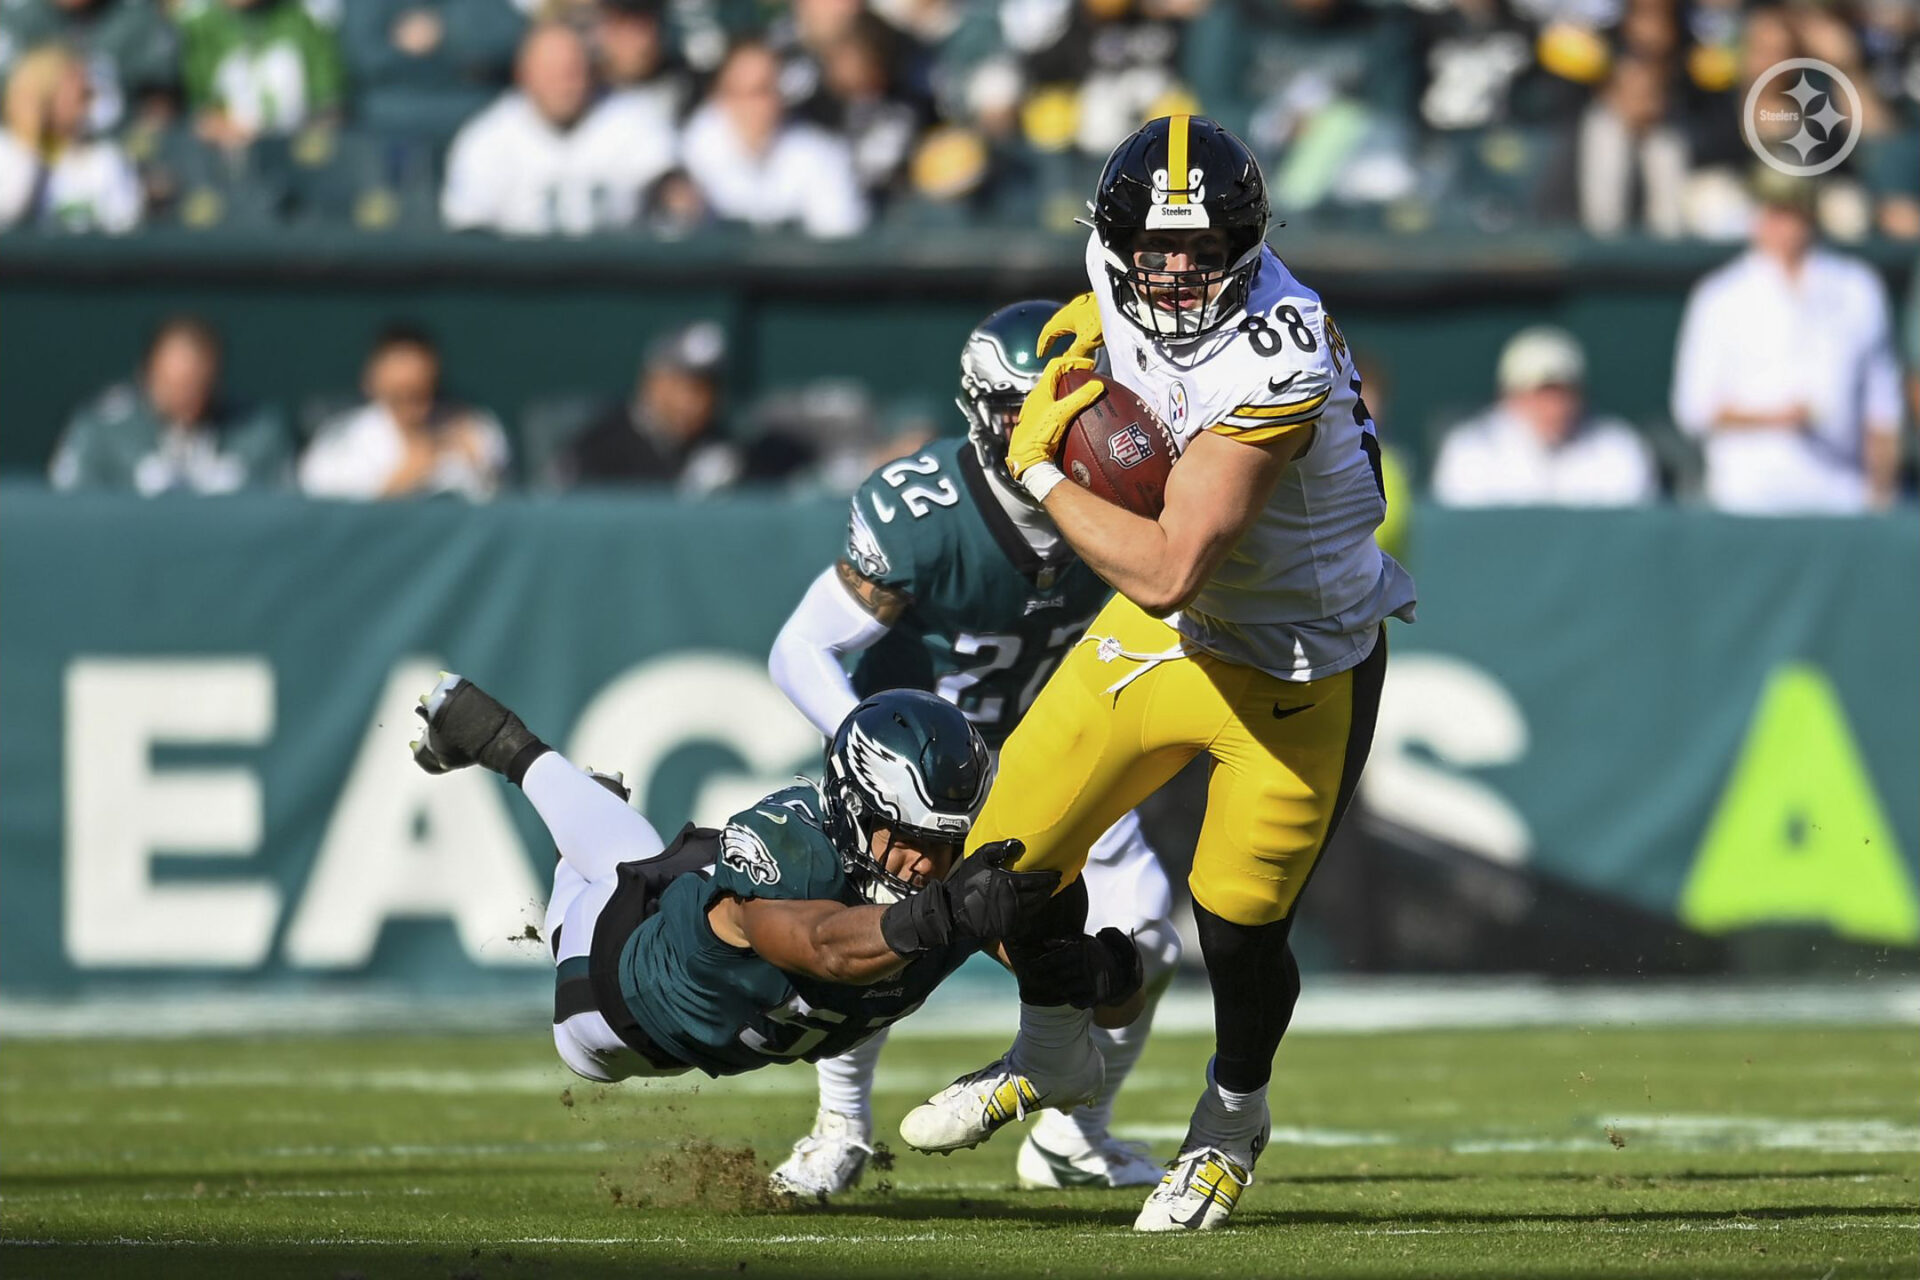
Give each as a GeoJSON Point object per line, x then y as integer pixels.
{"type": "Point", "coordinates": [1200, 1188]}
{"type": "Point", "coordinates": [827, 1161]}
{"type": "Point", "coordinates": [1110, 1163]}
{"type": "Point", "coordinates": [975, 1107]}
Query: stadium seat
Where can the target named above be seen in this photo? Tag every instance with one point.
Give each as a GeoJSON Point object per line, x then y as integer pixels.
{"type": "Point", "coordinates": [207, 188]}
{"type": "Point", "coordinates": [547, 424]}
{"type": "Point", "coordinates": [361, 180]}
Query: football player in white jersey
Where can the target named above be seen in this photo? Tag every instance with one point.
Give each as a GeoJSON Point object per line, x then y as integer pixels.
{"type": "Point", "coordinates": [1248, 623]}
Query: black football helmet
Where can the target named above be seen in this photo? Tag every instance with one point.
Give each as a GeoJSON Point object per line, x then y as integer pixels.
{"type": "Point", "coordinates": [1181, 173]}
{"type": "Point", "coordinates": [908, 761]}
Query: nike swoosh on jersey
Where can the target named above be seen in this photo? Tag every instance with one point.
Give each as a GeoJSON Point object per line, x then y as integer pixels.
{"type": "Point", "coordinates": [1281, 713]}
{"type": "Point", "coordinates": [883, 510]}
{"type": "Point", "coordinates": [1275, 388]}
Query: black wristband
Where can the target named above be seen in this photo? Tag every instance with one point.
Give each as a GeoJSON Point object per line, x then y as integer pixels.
{"type": "Point", "coordinates": [523, 760]}
{"type": "Point", "coordinates": [918, 922]}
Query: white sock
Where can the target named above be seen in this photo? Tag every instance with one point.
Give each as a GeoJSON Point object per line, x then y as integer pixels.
{"type": "Point", "coordinates": [593, 828]}
{"type": "Point", "coordinates": [1053, 1042]}
{"type": "Point", "coordinates": [1084, 1128]}
{"type": "Point", "coordinates": [1228, 1119]}
{"type": "Point", "coordinates": [846, 1082]}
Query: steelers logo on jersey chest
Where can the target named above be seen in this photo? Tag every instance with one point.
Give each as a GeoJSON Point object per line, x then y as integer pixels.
{"type": "Point", "coordinates": [1177, 406]}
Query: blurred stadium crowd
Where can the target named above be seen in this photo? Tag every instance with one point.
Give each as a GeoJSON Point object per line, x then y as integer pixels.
{"type": "Point", "coordinates": [538, 117]}
{"type": "Point", "coordinates": [825, 118]}
{"type": "Point", "coordinates": [1787, 393]}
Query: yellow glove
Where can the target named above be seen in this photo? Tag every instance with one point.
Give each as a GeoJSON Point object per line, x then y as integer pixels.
{"type": "Point", "coordinates": [1079, 320]}
{"type": "Point", "coordinates": [1044, 419]}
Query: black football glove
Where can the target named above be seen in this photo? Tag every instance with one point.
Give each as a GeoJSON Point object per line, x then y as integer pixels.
{"type": "Point", "coordinates": [981, 901]}
{"type": "Point", "coordinates": [466, 725]}
{"type": "Point", "coordinates": [1083, 971]}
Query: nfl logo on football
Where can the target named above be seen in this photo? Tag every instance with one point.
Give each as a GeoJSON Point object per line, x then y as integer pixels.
{"type": "Point", "coordinates": [1130, 447]}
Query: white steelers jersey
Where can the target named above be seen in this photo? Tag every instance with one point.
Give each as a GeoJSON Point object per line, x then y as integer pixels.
{"type": "Point", "coordinates": [1303, 593]}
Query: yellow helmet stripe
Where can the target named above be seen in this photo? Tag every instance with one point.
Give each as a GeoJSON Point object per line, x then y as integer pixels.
{"type": "Point", "coordinates": [1177, 159]}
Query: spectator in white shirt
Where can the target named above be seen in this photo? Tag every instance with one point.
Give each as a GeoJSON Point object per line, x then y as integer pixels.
{"type": "Point", "coordinates": [51, 174]}
{"type": "Point", "coordinates": [1786, 371]}
{"type": "Point", "coordinates": [754, 165]}
{"type": "Point", "coordinates": [1538, 447]}
{"type": "Point", "coordinates": [405, 440]}
{"type": "Point", "coordinates": [1633, 160]}
{"type": "Point", "coordinates": [547, 157]}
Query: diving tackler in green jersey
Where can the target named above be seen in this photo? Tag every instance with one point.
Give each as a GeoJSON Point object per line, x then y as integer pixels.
{"type": "Point", "coordinates": [809, 922]}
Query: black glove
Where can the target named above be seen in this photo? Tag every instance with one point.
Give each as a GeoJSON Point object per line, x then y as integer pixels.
{"type": "Point", "coordinates": [466, 725]}
{"type": "Point", "coordinates": [1083, 971]}
{"type": "Point", "coordinates": [981, 901]}
{"type": "Point", "coordinates": [991, 902]}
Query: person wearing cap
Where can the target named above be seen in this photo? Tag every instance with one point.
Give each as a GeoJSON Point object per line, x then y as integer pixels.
{"type": "Point", "coordinates": [1786, 370]}
{"type": "Point", "coordinates": [1537, 446]}
{"type": "Point", "coordinates": [667, 432]}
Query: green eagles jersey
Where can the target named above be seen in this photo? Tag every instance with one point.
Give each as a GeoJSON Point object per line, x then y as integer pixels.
{"type": "Point", "coordinates": [271, 67]}
{"type": "Point", "coordinates": [119, 442]}
{"type": "Point", "coordinates": [990, 619]}
{"type": "Point", "coordinates": [725, 1010]}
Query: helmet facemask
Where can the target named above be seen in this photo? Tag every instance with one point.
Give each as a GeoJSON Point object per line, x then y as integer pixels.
{"type": "Point", "coordinates": [1180, 305]}
{"type": "Point", "coordinates": [866, 868]}
{"type": "Point", "coordinates": [998, 367]}
{"type": "Point", "coordinates": [991, 415]}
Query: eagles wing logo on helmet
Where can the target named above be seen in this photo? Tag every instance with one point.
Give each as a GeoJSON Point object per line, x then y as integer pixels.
{"type": "Point", "coordinates": [881, 770]}
{"type": "Point", "coordinates": [743, 851]}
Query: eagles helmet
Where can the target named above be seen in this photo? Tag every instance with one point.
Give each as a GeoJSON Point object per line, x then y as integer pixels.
{"type": "Point", "coordinates": [1181, 173]}
{"type": "Point", "coordinates": [997, 369]}
{"type": "Point", "coordinates": [908, 761]}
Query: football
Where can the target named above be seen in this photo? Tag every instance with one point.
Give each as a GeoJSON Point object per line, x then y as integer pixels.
{"type": "Point", "coordinates": [1117, 449]}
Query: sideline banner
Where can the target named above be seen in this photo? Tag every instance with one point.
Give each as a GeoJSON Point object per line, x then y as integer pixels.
{"type": "Point", "coordinates": [205, 705]}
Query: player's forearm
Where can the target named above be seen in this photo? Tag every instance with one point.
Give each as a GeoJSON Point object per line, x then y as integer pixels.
{"type": "Point", "coordinates": [825, 940]}
{"type": "Point", "coordinates": [1132, 554]}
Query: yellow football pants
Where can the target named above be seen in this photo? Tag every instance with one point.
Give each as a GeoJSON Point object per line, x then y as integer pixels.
{"type": "Point", "coordinates": [1286, 758]}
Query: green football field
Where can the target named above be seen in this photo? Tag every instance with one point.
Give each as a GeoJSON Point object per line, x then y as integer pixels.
{"type": "Point", "coordinates": [1618, 1152]}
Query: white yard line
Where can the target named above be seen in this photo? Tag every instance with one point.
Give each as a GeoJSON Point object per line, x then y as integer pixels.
{"type": "Point", "coordinates": [1677, 1132]}
{"type": "Point", "coordinates": [985, 1001]}
{"type": "Point", "coordinates": [1516, 1227]}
